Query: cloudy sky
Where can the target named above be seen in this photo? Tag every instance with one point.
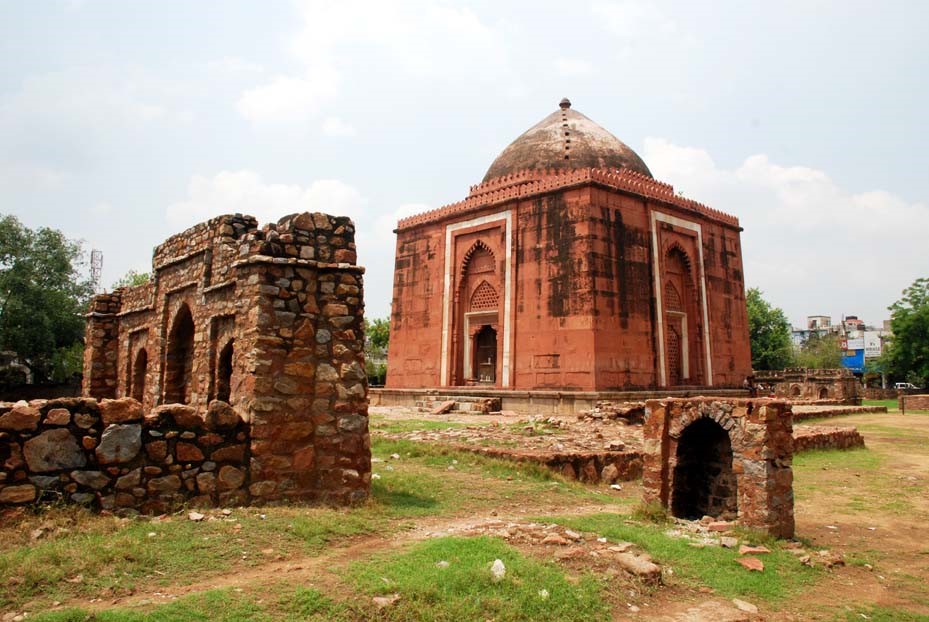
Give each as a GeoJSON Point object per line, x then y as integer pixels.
{"type": "Point", "coordinates": [124, 122]}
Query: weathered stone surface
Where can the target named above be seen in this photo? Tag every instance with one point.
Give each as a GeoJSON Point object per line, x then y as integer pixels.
{"type": "Point", "coordinates": [129, 480]}
{"type": "Point", "coordinates": [188, 452]}
{"type": "Point", "coordinates": [221, 416]}
{"type": "Point", "coordinates": [185, 417]}
{"type": "Point", "coordinates": [20, 419]}
{"type": "Point", "coordinates": [643, 569]}
{"type": "Point", "coordinates": [53, 450]}
{"type": "Point", "coordinates": [85, 420]}
{"type": "Point", "coordinates": [230, 478]}
{"type": "Point", "coordinates": [169, 483]}
{"type": "Point", "coordinates": [206, 483]}
{"type": "Point", "coordinates": [125, 410]}
{"type": "Point", "coordinates": [157, 450]}
{"type": "Point", "coordinates": [119, 444]}
{"type": "Point", "coordinates": [58, 416]}
{"type": "Point", "coordinates": [232, 453]}
{"type": "Point", "coordinates": [23, 493]}
{"type": "Point", "coordinates": [91, 479]}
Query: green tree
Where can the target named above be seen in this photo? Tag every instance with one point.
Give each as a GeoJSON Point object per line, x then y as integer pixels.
{"type": "Point", "coordinates": [907, 357]}
{"type": "Point", "coordinates": [377, 337]}
{"type": "Point", "coordinates": [820, 352]}
{"type": "Point", "coordinates": [378, 333]}
{"type": "Point", "coordinates": [769, 333]}
{"type": "Point", "coordinates": [42, 299]}
{"type": "Point", "coordinates": [132, 279]}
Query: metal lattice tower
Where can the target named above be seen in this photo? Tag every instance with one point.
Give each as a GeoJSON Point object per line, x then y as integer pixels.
{"type": "Point", "coordinates": [96, 268]}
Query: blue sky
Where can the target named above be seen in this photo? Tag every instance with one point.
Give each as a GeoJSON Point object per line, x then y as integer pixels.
{"type": "Point", "coordinates": [124, 122]}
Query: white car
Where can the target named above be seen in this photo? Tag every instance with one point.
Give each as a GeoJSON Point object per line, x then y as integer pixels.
{"type": "Point", "coordinates": [905, 385]}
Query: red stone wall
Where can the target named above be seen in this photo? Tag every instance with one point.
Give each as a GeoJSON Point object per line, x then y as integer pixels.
{"type": "Point", "coordinates": [913, 402]}
{"type": "Point", "coordinates": [583, 310]}
{"type": "Point", "coordinates": [760, 435]}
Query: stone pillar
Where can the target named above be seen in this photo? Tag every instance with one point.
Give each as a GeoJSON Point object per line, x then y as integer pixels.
{"type": "Point", "coordinates": [305, 365]}
{"type": "Point", "coordinates": [101, 343]}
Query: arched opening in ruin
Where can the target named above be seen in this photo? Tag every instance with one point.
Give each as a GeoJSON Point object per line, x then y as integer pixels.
{"type": "Point", "coordinates": [180, 358]}
{"type": "Point", "coordinates": [485, 355]}
{"type": "Point", "coordinates": [137, 378]}
{"type": "Point", "coordinates": [224, 372]}
{"type": "Point", "coordinates": [795, 391]}
{"type": "Point", "coordinates": [704, 483]}
{"type": "Point", "coordinates": [823, 393]}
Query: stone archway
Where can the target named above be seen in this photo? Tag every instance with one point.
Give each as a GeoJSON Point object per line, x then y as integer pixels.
{"type": "Point", "coordinates": [795, 391]}
{"type": "Point", "coordinates": [137, 377]}
{"type": "Point", "coordinates": [224, 372]}
{"type": "Point", "coordinates": [179, 358]}
{"type": "Point", "coordinates": [704, 482]}
{"type": "Point", "coordinates": [824, 393]}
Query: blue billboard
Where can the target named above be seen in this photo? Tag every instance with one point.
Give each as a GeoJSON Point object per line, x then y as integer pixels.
{"type": "Point", "coordinates": [853, 360]}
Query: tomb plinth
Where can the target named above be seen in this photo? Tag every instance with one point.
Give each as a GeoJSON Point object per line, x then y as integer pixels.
{"type": "Point", "coordinates": [729, 459]}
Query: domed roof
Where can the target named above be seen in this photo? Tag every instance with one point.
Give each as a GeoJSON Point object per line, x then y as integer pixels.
{"type": "Point", "coordinates": [565, 139]}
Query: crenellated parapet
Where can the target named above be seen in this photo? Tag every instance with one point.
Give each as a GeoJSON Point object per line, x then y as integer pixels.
{"type": "Point", "coordinates": [533, 182]}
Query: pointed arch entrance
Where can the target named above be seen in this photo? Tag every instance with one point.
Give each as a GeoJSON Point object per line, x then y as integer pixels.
{"type": "Point", "coordinates": [704, 482]}
{"type": "Point", "coordinates": [179, 358]}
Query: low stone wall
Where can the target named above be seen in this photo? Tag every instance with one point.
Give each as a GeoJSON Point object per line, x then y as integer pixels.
{"type": "Point", "coordinates": [818, 411]}
{"type": "Point", "coordinates": [876, 393]}
{"type": "Point", "coordinates": [110, 455]}
{"type": "Point", "coordinates": [540, 402]}
{"type": "Point", "coordinates": [591, 468]}
{"type": "Point", "coordinates": [913, 402]}
{"type": "Point", "coordinates": [815, 437]}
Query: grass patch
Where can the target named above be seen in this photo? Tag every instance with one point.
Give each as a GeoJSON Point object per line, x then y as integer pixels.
{"type": "Point", "coordinates": [652, 512]}
{"type": "Point", "coordinates": [711, 566]}
{"type": "Point", "coordinates": [858, 459]}
{"type": "Point", "coordinates": [216, 605]}
{"type": "Point", "coordinates": [109, 556]}
{"type": "Point", "coordinates": [436, 455]}
{"type": "Point", "coordinates": [392, 426]}
{"type": "Point", "coordinates": [890, 404]}
{"type": "Point", "coordinates": [465, 589]}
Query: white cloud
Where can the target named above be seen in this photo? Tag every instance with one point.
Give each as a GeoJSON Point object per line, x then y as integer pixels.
{"type": "Point", "coordinates": [85, 98]}
{"type": "Point", "coordinates": [246, 192]}
{"type": "Point", "coordinates": [334, 126]}
{"type": "Point", "coordinates": [233, 65]}
{"type": "Point", "coordinates": [634, 19]}
{"type": "Point", "coordinates": [412, 40]}
{"type": "Point", "coordinates": [568, 67]}
{"type": "Point", "coordinates": [810, 244]}
{"type": "Point", "coordinates": [287, 99]}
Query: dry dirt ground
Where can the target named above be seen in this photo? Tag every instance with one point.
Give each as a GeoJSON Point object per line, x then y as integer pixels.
{"type": "Point", "coordinates": [872, 507]}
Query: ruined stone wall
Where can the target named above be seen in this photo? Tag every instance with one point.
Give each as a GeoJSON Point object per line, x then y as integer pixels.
{"type": "Point", "coordinates": [913, 402]}
{"type": "Point", "coordinates": [812, 384]}
{"type": "Point", "coordinates": [269, 320]}
{"type": "Point", "coordinates": [111, 455]}
{"type": "Point", "coordinates": [759, 433]}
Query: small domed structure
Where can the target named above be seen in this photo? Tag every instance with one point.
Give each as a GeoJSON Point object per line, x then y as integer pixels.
{"type": "Point", "coordinates": [565, 139]}
{"type": "Point", "coordinates": [570, 269]}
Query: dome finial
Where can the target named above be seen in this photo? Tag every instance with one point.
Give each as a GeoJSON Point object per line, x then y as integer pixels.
{"type": "Point", "coordinates": [565, 103]}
